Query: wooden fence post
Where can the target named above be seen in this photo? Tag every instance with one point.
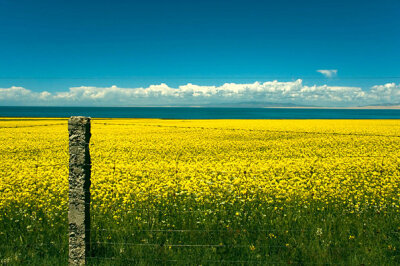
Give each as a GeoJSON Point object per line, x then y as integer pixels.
{"type": "Point", "coordinates": [79, 189]}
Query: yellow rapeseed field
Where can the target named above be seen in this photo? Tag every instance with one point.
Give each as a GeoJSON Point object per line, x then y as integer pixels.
{"type": "Point", "coordinates": [348, 162]}
{"type": "Point", "coordinates": [283, 191]}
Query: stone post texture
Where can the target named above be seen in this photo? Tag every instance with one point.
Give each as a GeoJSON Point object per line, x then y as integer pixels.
{"type": "Point", "coordinates": [79, 189]}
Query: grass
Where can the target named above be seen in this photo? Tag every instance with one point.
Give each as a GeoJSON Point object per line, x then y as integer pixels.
{"type": "Point", "coordinates": [255, 235]}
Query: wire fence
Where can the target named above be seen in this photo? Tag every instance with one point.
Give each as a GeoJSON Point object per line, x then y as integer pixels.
{"type": "Point", "coordinates": [257, 130]}
{"type": "Point", "coordinates": [46, 125]}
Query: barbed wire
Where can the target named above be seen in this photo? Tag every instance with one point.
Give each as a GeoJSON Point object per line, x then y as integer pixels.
{"type": "Point", "coordinates": [226, 231]}
{"type": "Point", "coordinates": [247, 171]}
{"type": "Point", "coordinates": [35, 126]}
{"type": "Point", "coordinates": [199, 261]}
{"type": "Point", "coordinates": [243, 214]}
{"type": "Point", "coordinates": [259, 130]}
{"type": "Point", "coordinates": [183, 245]}
{"type": "Point", "coordinates": [35, 245]}
{"type": "Point", "coordinates": [311, 157]}
{"type": "Point", "coordinates": [206, 230]}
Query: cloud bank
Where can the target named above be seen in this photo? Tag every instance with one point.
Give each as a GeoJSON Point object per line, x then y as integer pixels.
{"type": "Point", "coordinates": [294, 92]}
{"type": "Point", "coordinates": [329, 73]}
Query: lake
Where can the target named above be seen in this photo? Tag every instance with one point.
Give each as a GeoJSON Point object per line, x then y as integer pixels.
{"type": "Point", "coordinates": [199, 113]}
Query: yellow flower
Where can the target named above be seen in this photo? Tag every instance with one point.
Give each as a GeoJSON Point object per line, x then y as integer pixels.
{"type": "Point", "coordinates": [224, 163]}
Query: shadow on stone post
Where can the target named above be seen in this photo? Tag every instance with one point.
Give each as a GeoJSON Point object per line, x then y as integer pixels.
{"type": "Point", "coordinates": [79, 190]}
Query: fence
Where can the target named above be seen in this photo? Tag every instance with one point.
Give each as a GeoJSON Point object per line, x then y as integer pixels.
{"type": "Point", "coordinates": [79, 190]}
{"type": "Point", "coordinates": [85, 247]}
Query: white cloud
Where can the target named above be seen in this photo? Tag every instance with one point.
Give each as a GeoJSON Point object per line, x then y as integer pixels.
{"type": "Point", "coordinates": [329, 73]}
{"type": "Point", "coordinates": [387, 93]}
{"type": "Point", "coordinates": [190, 94]}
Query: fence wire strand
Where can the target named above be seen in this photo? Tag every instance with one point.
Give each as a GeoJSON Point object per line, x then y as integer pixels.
{"type": "Point", "coordinates": [257, 130]}
{"type": "Point", "coordinates": [191, 261]}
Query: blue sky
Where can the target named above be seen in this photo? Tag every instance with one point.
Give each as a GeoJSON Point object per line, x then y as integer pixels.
{"type": "Point", "coordinates": [53, 46]}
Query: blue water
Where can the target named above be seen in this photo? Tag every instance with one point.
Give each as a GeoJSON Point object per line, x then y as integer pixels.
{"type": "Point", "coordinates": [198, 113]}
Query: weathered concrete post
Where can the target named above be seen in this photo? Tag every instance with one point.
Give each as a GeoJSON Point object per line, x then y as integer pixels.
{"type": "Point", "coordinates": [79, 189]}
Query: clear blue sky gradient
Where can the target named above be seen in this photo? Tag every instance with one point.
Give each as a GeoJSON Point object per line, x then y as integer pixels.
{"type": "Point", "coordinates": [53, 45]}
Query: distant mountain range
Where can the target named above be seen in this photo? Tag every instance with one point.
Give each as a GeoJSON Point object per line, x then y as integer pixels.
{"type": "Point", "coordinates": [382, 106]}
{"type": "Point", "coordinates": [292, 105]}
{"type": "Point", "coordinates": [255, 105]}
{"type": "Point", "coordinates": [385, 104]}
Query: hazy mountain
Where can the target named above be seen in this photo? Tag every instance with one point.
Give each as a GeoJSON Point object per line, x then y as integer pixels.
{"type": "Point", "coordinates": [255, 105]}
{"type": "Point", "coordinates": [382, 106]}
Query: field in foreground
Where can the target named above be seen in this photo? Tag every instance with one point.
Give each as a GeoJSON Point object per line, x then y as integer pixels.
{"type": "Point", "coordinates": [207, 192]}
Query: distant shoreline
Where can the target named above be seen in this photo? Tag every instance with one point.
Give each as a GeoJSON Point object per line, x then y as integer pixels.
{"type": "Point", "coordinates": [397, 107]}
{"type": "Point", "coordinates": [372, 107]}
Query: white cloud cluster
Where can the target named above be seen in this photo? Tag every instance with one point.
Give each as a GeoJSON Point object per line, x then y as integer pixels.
{"type": "Point", "coordinates": [388, 93]}
{"type": "Point", "coordinates": [294, 92]}
{"type": "Point", "coordinates": [329, 73]}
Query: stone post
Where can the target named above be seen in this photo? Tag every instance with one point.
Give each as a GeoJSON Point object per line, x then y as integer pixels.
{"type": "Point", "coordinates": [79, 189]}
